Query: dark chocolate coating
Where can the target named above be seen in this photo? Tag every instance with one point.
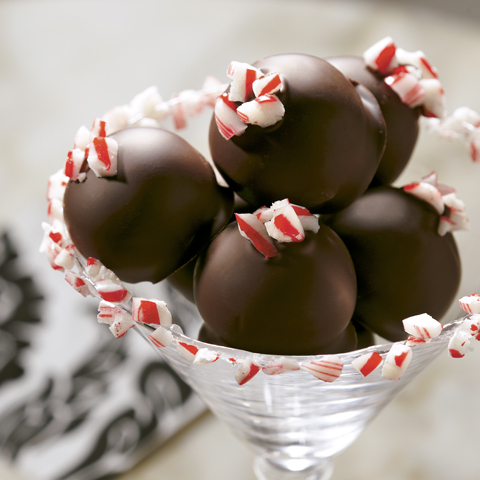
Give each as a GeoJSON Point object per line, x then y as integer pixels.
{"type": "Point", "coordinates": [321, 155]}
{"type": "Point", "coordinates": [404, 267]}
{"type": "Point", "coordinates": [294, 304]}
{"type": "Point", "coordinates": [163, 206]}
{"type": "Point", "coordinates": [345, 342]}
{"type": "Point", "coordinates": [401, 120]}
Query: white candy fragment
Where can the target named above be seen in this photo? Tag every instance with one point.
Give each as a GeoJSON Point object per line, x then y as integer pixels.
{"type": "Point", "coordinates": [472, 326]}
{"type": "Point", "coordinates": [263, 111]}
{"type": "Point", "coordinates": [83, 137]}
{"type": "Point", "coordinates": [57, 183]}
{"type": "Point", "coordinates": [66, 257]}
{"type": "Point", "coordinates": [455, 217]}
{"type": "Point", "coordinates": [248, 369]}
{"type": "Point", "coordinates": [327, 369]}
{"type": "Point", "coordinates": [243, 75]}
{"type": "Point", "coordinates": [422, 326]}
{"type": "Point", "coordinates": [264, 214]}
{"type": "Point", "coordinates": [145, 104]}
{"type": "Point", "coordinates": [161, 337]}
{"type": "Point", "coordinates": [151, 311]}
{"type": "Point", "coordinates": [367, 363]}
{"type": "Point", "coordinates": [280, 365]}
{"type": "Point", "coordinates": [308, 220]}
{"type": "Point", "coordinates": [106, 312]}
{"type": "Point", "coordinates": [396, 361]}
{"type": "Point", "coordinates": [187, 350]}
{"type": "Point", "coordinates": [102, 156]}
{"type": "Point", "coordinates": [267, 85]}
{"type": "Point", "coordinates": [381, 56]}
{"type": "Point", "coordinates": [418, 60]}
{"type": "Point", "coordinates": [121, 323]}
{"type": "Point", "coordinates": [470, 303]}
{"type": "Point", "coordinates": [432, 179]}
{"type": "Point", "coordinates": [212, 87]}
{"type": "Point", "coordinates": [77, 283]}
{"type": "Point", "coordinates": [205, 356]}
{"type": "Point", "coordinates": [434, 102]}
{"type": "Point", "coordinates": [117, 118]}
{"type": "Point", "coordinates": [428, 193]}
{"type": "Point", "coordinates": [226, 118]}
{"type": "Point", "coordinates": [254, 230]}
{"type": "Point", "coordinates": [407, 86]}
{"type": "Point", "coordinates": [285, 226]}
{"type": "Point", "coordinates": [459, 344]}
{"type": "Point", "coordinates": [55, 210]}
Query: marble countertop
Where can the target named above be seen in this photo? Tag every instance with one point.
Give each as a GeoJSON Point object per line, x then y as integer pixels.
{"type": "Point", "coordinates": [62, 63]}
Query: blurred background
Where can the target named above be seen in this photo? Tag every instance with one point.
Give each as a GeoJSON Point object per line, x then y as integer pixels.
{"type": "Point", "coordinates": [77, 404]}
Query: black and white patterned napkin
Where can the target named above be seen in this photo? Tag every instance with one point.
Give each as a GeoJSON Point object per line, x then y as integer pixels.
{"type": "Point", "coordinates": [75, 403]}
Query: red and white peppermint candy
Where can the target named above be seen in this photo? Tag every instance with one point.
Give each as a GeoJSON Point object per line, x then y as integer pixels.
{"type": "Point", "coordinates": [66, 257]}
{"type": "Point", "coordinates": [77, 283]}
{"type": "Point", "coordinates": [472, 326]}
{"type": "Point", "coordinates": [75, 159]}
{"type": "Point", "coordinates": [212, 87]}
{"type": "Point", "coordinates": [57, 183]}
{"type": "Point", "coordinates": [205, 356]}
{"type": "Point", "coordinates": [407, 86]}
{"type": "Point", "coordinates": [106, 312]}
{"type": "Point", "coordinates": [151, 311]}
{"type": "Point", "coordinates": [145, 104]}
{"type": "Point", "coordinates": [248, 369]}
{"type": "Point", "coordinates": [381, 56]}
{"type": "Point", "coordinates": [367, 363]}
{"type": "Point", "coordinates": [434, 103]}
{"type": "Point", "coordinates": [264, 214]}
{"type": "Point", "coordinates": [243, 75]}
{"type": "Point", "coordinates": [452, 222]}
{"type": "Point", "coordinates": [102, 156]}
{"type": "Point", "coordinates": [470, 303]}
{"type": "Point", "coordinates": [428, 193]}
{"type": "Point", "coordinates": [396, 361]}
{"type": "Point", "coordinates": [112, 291]}
{"type": "Point", "coordinates": [267, 85]}
{"type": "Point", "coordinates": [122, 322]}
{"type": "Point", "coordinates": [226, 118]}
{"type": "Point", "coordinates": [285, 226]}
{"type": "Point", "coordinates": [98, 128]}
{"type": "Point", "coordinates": [117, 118]}
{"type": "Point", "coordinates": [161, 337]}
{"type": "Point", "coordinates": [308, 220]}
{"type": "Point", "coordinates": [327, 368]}
{"type": "Point", "coordinates": [263, 111]}
{"type": "Point", "coordinates": [55, 210]}
{"type": "Point", "coordinates": [422, 326]}
{"type": "Point", "coordinates": [254, 230]}
{"type": "Point", "coordinates": [280, 365]}
{"type": "Point", "coordinates": [187, 350]}
{"type": "Point", "coordinates": [83, 138]}
{"type": "Point", "coordinates": [459, 344]}
{"type": "Point", "coordinates": [93, 267]}
{"type": "Point", "coordinates": [418, 60]}
{"type": "Point", "coordinates": [432, 179]}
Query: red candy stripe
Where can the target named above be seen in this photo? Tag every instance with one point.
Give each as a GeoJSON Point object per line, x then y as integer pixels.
{"type": "Point", "coordinates": [102, 151]}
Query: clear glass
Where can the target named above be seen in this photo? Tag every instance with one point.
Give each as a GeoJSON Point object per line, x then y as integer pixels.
{"type": "Point", "coordinates": [294, 422]}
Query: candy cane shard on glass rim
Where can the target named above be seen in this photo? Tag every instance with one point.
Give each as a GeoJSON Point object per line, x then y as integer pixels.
{"type": "Point", "coordinates": [151, 311]}
{"type": "Point", "coordinates": [422, 326]}
{"type": "Point", "coordinates": [470, 303]}
{"type": "Point", "coordinates": [161, 337]}
{"type": "Point", "coordinates": [247, 370]}
{"type": "Point", "coordinates": [367, 363]}
{"type": "Point", "coordinates": [396, 362]}
{"type": "Point", "coordinates": [280, 365]}
{"type": "Point", "coordinates": [328, 368]}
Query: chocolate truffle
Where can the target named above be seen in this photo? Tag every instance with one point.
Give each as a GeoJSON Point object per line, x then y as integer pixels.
{"type": "Point", "coordinates": [297, 303]}
{"type": "Point", "coordinates": [163, 206]}
{"type": "Point", "coordinates": [401, 120]}
{"type": "Point", "coordinates": [321, 155]}
{"type": "Point", "coordinates": [403, 266]}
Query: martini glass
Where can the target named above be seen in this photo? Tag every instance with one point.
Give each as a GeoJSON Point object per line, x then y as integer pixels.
{"type": "Point", "coordinates": [294, 423]}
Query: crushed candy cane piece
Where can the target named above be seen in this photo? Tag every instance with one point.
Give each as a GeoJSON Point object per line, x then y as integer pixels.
{"type": "Point", "coordinates": [151, 311]}
{"type": "Point", "coordinates": [117, 118]}
{"type": "Point", "coordinates": [308, 220]}
{"type": "Point", "coordinates": [418, 60]}
{"type": "Point", "coordinates": [212, 88]}
{"type": "Point", "coordinates": [267, 85]}
{"type": "Point", "coordinates": [254, 230]}
{"type": "Point", "coordinates": [434, 100]}
{"type": "Point", "coordinates": [83, 137]}
{"type": "Point", "coordinates": [226, 118]}
{"type": "Point", "coordinates": [432, 179]}
{"type": "Point", "coordinates": [112, 291]}
{"type": "Point", "coordinates": [93, 267]}
{"type": "Point", "coordinates": [106, 312]}
{"type": "Point", "coordinates": [407, 86]}
{"type": "Point", "coordinates": [396, 361]}
{"type": "Point", "coordinates": [280, 365]}
{"type": "Point", "coordinates": [73, 165]}
{"type": "Point", "coordinates": [263, 111]}
{"type": "Point", "coordinates": [77, 283]}
{"type": "Point", "coordinates": [161, 337]}
{"type": "Point", "coordinates": [428, 193]}
{"type": "Point", "coordinates": [327, 368]}
{"type": "Point", "coordinates": [367, 363]}
{"type": "Point", "coordinates": [205, 356]}
{"type": "Point", "coordinates": [243, 75]}
{"type": "Point", "coordinates": [57, 183]}
{"type": "Point", "coordinates": [55, 210]}
{"type": "Point", "coordinates": [102, 156]}
{"type": "Point", "coordinates": [381, 56]}
{"type": "Point", "coordinates": [285, 226]}
{"type": "Point", "coordinates": [187, 350]}
{"type": "Point", "coordinates": [248, 369]}
{"type": "Point", "coordinates": [470, 303]}
{"type": "Point", "coordinates": [264, 214]}
{"type": "Point", "coordinates": [122, 322]}
{"type": "Point", "coordinates": [145, 104]}
{"type": "Point", "coordinates": [66, 257]}
{"type": "Point", "coordinates": [422, 326]}
{"type": "Point", "coordinates": [98, 128]}
{"type": "Point", "coordinates": [459, 344]}
{"type": "Point", "coordinates": [472, 326]}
